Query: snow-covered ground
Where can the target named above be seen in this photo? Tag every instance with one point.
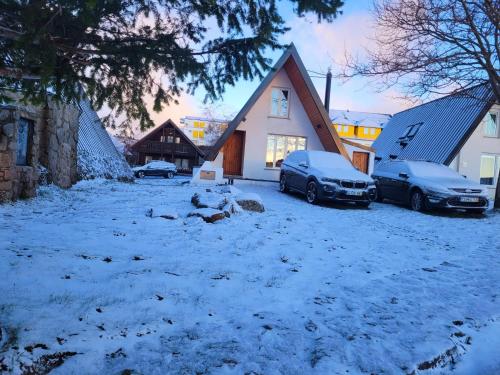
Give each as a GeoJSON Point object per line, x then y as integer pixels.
{"type": "Point", "coordinates": [86, 277]}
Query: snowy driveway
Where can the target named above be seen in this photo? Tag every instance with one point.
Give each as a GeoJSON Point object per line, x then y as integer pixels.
{"type": "Point", "coordinates": [87, 277]}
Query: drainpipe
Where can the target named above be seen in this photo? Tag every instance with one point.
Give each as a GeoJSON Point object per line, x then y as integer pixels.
{"type": "Point", "coordinates": [327, 90]}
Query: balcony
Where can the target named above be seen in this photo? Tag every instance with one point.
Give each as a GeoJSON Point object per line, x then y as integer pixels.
{"type": "Point", "coordinates": [156, 147]}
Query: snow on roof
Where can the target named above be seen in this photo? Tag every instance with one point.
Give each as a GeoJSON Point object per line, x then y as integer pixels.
{"type": "Point", "coordinates": [347, 117]}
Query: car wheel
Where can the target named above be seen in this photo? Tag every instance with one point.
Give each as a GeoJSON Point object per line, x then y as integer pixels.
{"type": "Point", "coordinates": [170, 174]}
{"type": "Point", "coordinates": [283, 185]}
{"type": "Point", "coordinates": [140, 174]}
{"type": "Point", "coordinates": [417, 201]}
{"type": "Point", "coordinates": [363, 204]}
{"type": "Point", "coordinates": [312, 192]}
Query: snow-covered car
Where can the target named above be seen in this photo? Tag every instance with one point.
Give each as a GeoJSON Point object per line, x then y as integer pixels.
{"type": "Point", "coordinates": [322, 175]}
{"type": "Point", "coordinates": [156, 168]}
{"type": "Point", "coordinates": [425, 185]}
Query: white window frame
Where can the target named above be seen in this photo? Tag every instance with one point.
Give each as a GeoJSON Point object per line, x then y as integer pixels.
{"type": "Point", "coordinates": [497, 115]}
{"type": "Point", "coordinates": [279, 106]}
{"type": "Point", "coordinates": [286, 152]}
{"type": "Point", "coordinates": [496, 168]}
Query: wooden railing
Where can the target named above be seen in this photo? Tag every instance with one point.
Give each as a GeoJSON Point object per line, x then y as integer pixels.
{"type": "Point", "coordinates": [166, 148]}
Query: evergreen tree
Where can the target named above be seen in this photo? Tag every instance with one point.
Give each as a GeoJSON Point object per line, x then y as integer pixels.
{"type": "Point", "coordinates": [121, 51]}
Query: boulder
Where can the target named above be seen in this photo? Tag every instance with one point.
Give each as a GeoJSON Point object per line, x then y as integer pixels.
{"type": "Point", "coordinates": [209, 200]}
{"type": "Point", "coordinates": [250, 202]}
{"type": "Point", "coordinates": [209, 215]}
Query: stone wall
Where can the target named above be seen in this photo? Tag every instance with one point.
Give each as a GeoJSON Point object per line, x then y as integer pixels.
{"type": "Point", "coordinates": [52, 145]}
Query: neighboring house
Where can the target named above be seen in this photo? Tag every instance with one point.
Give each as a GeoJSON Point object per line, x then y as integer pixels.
{"type": "Point", "coordinates": [37, 141]}
{"type": "Point", "coordinates": [58, 143]}
{"type": "Point", "coordinates": [460, 130]}
{"type": "Point", "coordinates": [97, 154]}
{"type": "Point", "coordinates": [169, 143]}
{"type": "Point", "coordinates": [284, 114]}
{"type": "Point", "coordinates": [362, 127]}
{"type": "Point", "coordinates": [203, 131]}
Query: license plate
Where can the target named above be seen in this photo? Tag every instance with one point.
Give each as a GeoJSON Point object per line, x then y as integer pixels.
{"type": "Point", "coordinates": [354, 192]}
{"type": "Point", "coordinates": [469, 199]}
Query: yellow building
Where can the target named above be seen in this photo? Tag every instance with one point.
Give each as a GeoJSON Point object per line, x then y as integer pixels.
{"type": "Point", "coordinates": [202, 131]}
{"type": "Point", "coordinates": [362, 127]}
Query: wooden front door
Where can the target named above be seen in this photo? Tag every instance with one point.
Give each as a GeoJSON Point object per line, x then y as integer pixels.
{"type": "Point", "coordinates": [233, 154]}
{"type": "Point", "coordinates": [360, 160]}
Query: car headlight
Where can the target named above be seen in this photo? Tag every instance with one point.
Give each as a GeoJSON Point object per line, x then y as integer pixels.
{"type": "Point", "coordinates": [331, 180]}
{"type": "Point", "coordinates": [438, 193]}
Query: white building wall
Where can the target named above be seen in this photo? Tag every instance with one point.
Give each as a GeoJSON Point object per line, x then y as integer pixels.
{"type": "Point", "coordinates": [468, 160]}
{"type": "Point", "coordinates": [259, 124]}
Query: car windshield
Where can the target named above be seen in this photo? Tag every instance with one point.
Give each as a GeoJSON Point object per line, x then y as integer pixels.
{"type": "Point", "coordinates": [323, 159]}
{"type": "Point", "coordinates": [431, 170]}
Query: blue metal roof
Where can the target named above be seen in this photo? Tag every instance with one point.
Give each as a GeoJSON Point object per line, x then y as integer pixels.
{"type": "Point", "coordinates": [446, 124]}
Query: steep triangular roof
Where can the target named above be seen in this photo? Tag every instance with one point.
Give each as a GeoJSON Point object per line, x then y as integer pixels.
{"type": "Point", "coordinates": [297, 73]}
{"type": "Point", "coordinates": [177, 129]}
{"type": "Point", "coordinates": [445, 125]}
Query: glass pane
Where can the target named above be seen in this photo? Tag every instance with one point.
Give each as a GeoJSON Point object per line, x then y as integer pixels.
{"type": "Point", "coordinates": [491, 127]}
{"type": "Point", "coordinates": [22, 142]}
{"type": "Point", "coordinates": [301, 143]}
{"type": "Point", "coordinates": [271, 140]}
{"type": "Point", "coordinates": [487, 171]}
{"type": "Point", "coordinates": [280, 151]}
{"type": "Point", "coordinates": [291, 144]}
{"type": "Point", "coordinates": [284, 103]}
{"type": "Point", "coordinates": [275, 102]}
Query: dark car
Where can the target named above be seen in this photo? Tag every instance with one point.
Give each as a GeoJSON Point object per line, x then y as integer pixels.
{"type": "Point", "coordinates": [426, 185]}
{"type": "Point", "coordinates": [322, 175]}
{"type": "Point", "coordinates": [156, 168]}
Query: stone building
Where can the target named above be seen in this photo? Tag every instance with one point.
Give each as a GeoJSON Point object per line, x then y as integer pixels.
{"type": "Point", "coordinates": [35, 141]}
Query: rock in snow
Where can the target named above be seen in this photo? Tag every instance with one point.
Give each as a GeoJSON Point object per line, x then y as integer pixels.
{"type": "Point", "coordinates": [209, 215]}
{"type": "Point", "coordinates": [209, 200]}
{"type": "Point", "coordinates": [250, 202]}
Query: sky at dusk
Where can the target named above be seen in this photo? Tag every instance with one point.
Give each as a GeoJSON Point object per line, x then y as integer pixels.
{"type": "Point", "coordinates": [320, 45]}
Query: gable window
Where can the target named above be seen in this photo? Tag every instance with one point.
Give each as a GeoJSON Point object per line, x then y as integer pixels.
{"type": "Point", "coordinates": [24, 131]}
{"type": "Point", "coordinates": [279, 146]}
{"type": "Point", "coordinates": [491, 128]}
{"type": "Point", "coordinates": [490, 166]}
{"type": "Point", "coordinates": [177, 140]}
{"type": "Point", "coordinates": [170, 139]}
{"type": "Point", "coordinates": [162, 138]}
{"type": "Point", "coordinates": [280, 98]}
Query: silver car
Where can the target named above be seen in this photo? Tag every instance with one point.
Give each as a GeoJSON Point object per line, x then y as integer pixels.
{"type": "Point", "coordinates": [426, 185]}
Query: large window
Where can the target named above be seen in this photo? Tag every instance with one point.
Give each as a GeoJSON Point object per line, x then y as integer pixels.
{"type": "Point", "coordinates": [279, 146]}
{"type": "Point", "coordinates": [492, 125]}
{"type": "Point", "coordinates": [24, 130]}
{"type": "Point", "coordinates": [280, 99]}
{"type": "Point", "coordinates": [490, 165]}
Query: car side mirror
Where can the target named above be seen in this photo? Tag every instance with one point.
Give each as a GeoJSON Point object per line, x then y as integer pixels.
{"type": "Point", "coordinates": [303, 164]}
{"type": "Point", "coordinates": [403, 175]}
